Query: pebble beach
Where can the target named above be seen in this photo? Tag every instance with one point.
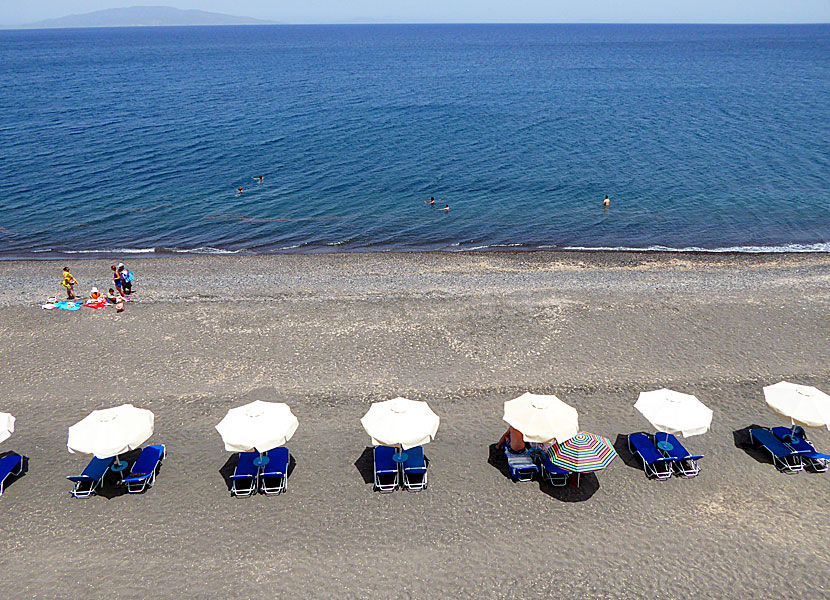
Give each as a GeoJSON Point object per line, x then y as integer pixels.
{"type": "Point", "coordinates": [329, 334]}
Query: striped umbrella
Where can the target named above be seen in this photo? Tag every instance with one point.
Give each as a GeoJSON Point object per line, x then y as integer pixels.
{"type": "Point", "coordinates": [583, 453]}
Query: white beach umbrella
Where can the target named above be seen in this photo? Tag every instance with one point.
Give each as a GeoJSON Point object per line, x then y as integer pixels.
{"type": "Point", "coordinates": [400, 422]}
{"type": "Point", "coordinates": [260, 426]}
{"type": "Point", "coordinates": [542, 419]}
{"type": "Point", "coordinates": [675, 413]}
{"type": "Point", "coordinates": [6, 426]}
{"type": "Point", "coordinates": [111, 431]}
{"type": "Point", "coordinates": [801, 404]}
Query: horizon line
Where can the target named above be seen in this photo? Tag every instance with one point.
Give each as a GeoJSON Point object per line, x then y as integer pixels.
{"type": "Point", "coordinates": [380, 24]}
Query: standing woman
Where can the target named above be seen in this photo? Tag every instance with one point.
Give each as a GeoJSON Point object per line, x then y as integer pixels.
{"type": "Point", "coordinates": [68, 282]}
{"type": "Point", "coordinates": [116, 279]}
{"type": "Point", "coordinates": [126, 280]}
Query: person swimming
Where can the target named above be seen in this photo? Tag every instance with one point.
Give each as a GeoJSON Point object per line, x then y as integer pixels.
{"type": "Point", "coordinates": [446, 208]}
{"type": "Point", "coordinates": [259, 179]}
{"type": "Point", "coordinates": [239, 190]}
{"type": "Point", "coordinates": [431, 201]}
{"type": "Point", "coordinates": [607, 202]}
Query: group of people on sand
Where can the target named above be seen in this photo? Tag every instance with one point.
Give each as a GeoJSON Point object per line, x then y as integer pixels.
{"type": "Point", "coordinates": [122, 281]}
{"type": "Point", "coordinates": [432, 203]}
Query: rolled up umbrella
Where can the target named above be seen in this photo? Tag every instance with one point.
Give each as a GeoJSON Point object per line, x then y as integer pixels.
{"type": "Point", "coordinates": [675, 413]}
{"type": "Point", "coordinates": [542, 419]}
{"type": "Point", "coordinates": [111, 431]}
{"type": "Point", "coordinates": [6, 426]}
{"type": "Point", "coordinates": [400, 422]}
{"type": "Point", "coordinates": [801, 404]}
{"type": "Point", "coordinates": [258, 426]}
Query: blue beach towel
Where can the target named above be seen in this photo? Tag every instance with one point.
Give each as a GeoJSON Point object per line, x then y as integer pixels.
{"type": "Point", "coordinates": [68, 305]}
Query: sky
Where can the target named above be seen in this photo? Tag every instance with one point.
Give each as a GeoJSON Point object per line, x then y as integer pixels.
{"type": "Point", "coordinates": [17, 12]}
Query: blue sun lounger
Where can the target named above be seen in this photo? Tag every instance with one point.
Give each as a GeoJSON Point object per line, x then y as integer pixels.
{"type": "Point", "coordinates": [386, 469]}
{"type": "Point", "coordinates": [143, 472]}
{"type": "Point", "coordinates": [274, 476]}
{"type": "Point", "coordinates": [797, 440]}
{"type": "Point", "coordinates": [784, 458]}
{"type": "Point", "coordinates": [521, 465]}
{"type": "Point", "coordinates": [415, 469]}
{"type": "Point", "coordinates": [655, 464]}
{"type": "Point", "coordinates": [556, 475]}
{"type": "Point", "coordinates": [245, 476]}
{"type": "Point", "coordinates": [10, 465]}
{"type": "Point", "coordinates": [684, 462]}
{"type": "Point", "coordinates": [91, 478]}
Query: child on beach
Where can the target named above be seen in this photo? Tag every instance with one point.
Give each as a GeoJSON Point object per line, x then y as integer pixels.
{"type": "Point", "coordinates": [117, 299]}
{"type": "Point", "coordinates": [94, 294]}
{"type": "Point", "coordinates": [68, 282]}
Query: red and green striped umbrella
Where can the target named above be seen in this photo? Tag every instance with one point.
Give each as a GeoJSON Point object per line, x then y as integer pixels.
{"type": "Point", "coordinates": [583, 453]}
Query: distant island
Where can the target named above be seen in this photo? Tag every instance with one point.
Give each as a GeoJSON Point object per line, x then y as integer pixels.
{"type": "Point", "coordinates": [144, 16]}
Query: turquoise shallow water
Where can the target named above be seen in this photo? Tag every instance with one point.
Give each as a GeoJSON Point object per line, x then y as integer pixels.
{"type": "Point", "coordinates": [135, 140]}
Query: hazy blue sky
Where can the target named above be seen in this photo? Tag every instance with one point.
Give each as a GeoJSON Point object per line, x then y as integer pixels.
{"type": "Point", "coordinates": [13, 12]}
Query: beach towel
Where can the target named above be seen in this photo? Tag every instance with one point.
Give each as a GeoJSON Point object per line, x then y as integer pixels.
{"type": "Point", "coordinates": [48, 306]}
{"type": "Point", "coordinates": [68, 305]}
{"type": "Point", "coordinates": [96, 304]}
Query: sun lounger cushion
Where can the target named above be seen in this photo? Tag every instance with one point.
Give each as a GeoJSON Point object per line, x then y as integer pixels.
{"type": "Point", "coordinates": [415, 469]}
{"type": "Point", "coordinates": [784, 458]}
{"type": "Point", "coordinates": [143, 472]}
{"type": "Point", "coordinates": [386, 469]}
{"type": "Point", "coordinates": [10, 465]}
{"type": "Point", "coordinates": [244, 478]}
{"type": "Point", "coordinates": [654, 464]}
{"type": "Point", "coordinates": [521, 465]}
{"type": "Point", "coordinates": [799, 443]}
{"type": "Point", "coordinates": [93, 474]}
{"type": "Point", "coordinates": [274, 476]}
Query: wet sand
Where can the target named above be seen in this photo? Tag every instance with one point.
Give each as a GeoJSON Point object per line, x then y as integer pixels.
{"type": "Point", "coordinates": [329, 335]}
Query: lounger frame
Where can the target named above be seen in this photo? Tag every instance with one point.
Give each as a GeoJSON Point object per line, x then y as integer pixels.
{"type": "Point", "coordinates": [521, 465]}
{"type": "Point", "coordinates": [386, 477]}
{"type": "Point", "coordinates": [85, 484]}
{"type": "Point", "coordinates": [415, 470]}
{"type": "Point", "coordinates": [789, 461]}
{"type": "Point", "coordinates": [659, 467]}
{"type": "Point", "coordinates": [809, 456]}
{"type": "Point", "coordinates": [137, 484]}
{"type": "Point", "coordinates": [279, 457]}
{"type": "Point", "coordinates": [250, 476]}
{"type": "Point", "coordinates": [684, 462]}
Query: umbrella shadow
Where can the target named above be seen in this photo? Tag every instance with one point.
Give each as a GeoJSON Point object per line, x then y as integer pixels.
{"type": "Point", "coordinates": [744, 442]}
{"type": "Point", "coordinates": [588, 486]}
{"type": "Point", "coordinates": [630, 459]}
{"type": "Point", "coordinates": [228, 468]}
{"type": "Point", "coordinates": [112, 487]}
{"type": "Point", "coordinates": [365, 465]}
{"type": "Point", "coordinates": [497, 460]}
{"type": "Point", "coordinates": [23, 470]}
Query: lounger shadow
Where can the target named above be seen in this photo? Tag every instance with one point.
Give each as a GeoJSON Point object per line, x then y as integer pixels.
{"type": "Point", "coordinates": [365, 465]}
{"type": "Point", "coordinates": [744, 442]}
{"type": "Point", "coordinates": [497, 459]}
{"type": "Point", "coordinates": [588, 486]}
{"type": "Point", "coordinates": [227, 469]}
{"type": "Point", "coordinates": [630, 459]}
{"type": "Point", "coordinates": [112, 486]}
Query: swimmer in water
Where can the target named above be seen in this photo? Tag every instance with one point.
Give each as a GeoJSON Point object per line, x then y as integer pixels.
{"type": "Point", "coordinates": [606, 203]}
{"type": "Point", "coordinates": [431, 201]}
{"type": "Point", "coordinates": [446, 208]}
{"type": "Point", "coordinates": [239, 190]}
{"type": "Point", "coordinates": [259, 179]}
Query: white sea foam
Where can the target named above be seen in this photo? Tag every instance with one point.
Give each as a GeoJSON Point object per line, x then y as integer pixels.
{"type": "Point", "coordinates": [112, 251]}
{"type": "Point", "coordinates": [203, 250]}
{"type": "Point", "coordinates": [783, 249]}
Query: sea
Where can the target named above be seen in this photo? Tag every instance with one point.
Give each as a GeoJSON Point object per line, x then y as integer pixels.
{"type": "Point", "coordinates": [135, 141]}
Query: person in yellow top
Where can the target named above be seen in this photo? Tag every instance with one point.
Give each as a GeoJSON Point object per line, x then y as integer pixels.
{"type": "Point", "coordinates": [68, 282]}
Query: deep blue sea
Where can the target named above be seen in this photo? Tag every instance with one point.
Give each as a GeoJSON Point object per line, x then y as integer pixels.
{"type": "Point", "coordinates": [136, 140]}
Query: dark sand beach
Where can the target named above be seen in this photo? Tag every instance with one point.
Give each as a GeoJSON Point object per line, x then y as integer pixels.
{"type": "Point", "coordinates": [329, 334]}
